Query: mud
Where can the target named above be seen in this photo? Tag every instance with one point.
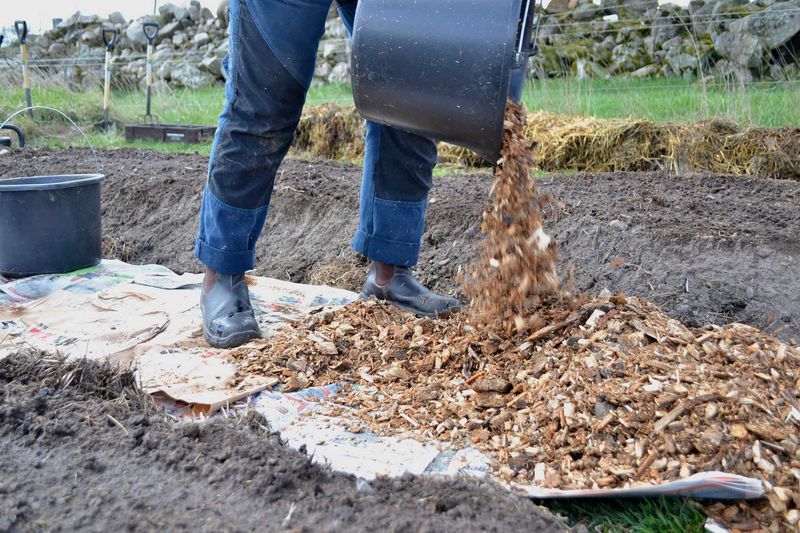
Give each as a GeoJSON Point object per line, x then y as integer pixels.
{"type": "Point", "coordinates": [706, 248]}
{"type": "Point", "coordinates": [76, 458]}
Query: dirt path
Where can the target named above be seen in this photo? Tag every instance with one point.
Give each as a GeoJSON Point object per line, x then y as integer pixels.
{"type": "Point", "coordinates": [67, 465]}
{"type": "Point", "coordinates": [706, 248]}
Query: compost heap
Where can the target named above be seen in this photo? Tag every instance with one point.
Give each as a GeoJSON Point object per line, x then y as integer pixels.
{"type": "Point", "coordinates": [564, 392]}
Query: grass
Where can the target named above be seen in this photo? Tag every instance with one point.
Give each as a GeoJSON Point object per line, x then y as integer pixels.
{"type": "Point", "coordinates": [632, 515]}
{"type": "Point", "coordinates": [661, 100]}
{"type": "Point", "coordinates": [767, 104]}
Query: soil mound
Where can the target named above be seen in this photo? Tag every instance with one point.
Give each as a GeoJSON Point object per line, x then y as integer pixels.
{"type": "Point", "coordinates": [79, 451]}
{"type": "Point", "coordinates": [706, 248]}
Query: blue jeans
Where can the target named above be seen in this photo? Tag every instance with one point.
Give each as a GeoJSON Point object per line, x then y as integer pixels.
{"type": "Point", "coordinates": [273, 48]}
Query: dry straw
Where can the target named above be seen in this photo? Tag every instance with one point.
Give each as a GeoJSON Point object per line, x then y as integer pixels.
{"type": "Point", "coordinates": [594, 145]}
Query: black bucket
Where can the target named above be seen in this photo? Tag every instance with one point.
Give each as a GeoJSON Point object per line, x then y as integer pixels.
{"type": "Point", "coordinates": [50, 224]}
{"type": "Point", "coordinates": [440, 68]}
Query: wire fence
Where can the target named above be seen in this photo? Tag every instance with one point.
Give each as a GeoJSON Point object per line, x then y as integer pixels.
{"type": "Point", "coordinates": [687, 21]}
{"type": "Point", "coordinates": [689, 24]}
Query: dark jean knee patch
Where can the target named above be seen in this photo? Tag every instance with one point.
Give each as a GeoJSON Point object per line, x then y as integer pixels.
{"type": "Point", "coordinates": [260, 123]}
{"type": "Point", "coordinates": [404, 166]}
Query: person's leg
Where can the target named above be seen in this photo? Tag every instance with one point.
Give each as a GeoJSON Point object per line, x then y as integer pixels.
{"type": "Point", "coordinates": [398, 170]}
{"type": "Point", "coordinates": [273, 47]}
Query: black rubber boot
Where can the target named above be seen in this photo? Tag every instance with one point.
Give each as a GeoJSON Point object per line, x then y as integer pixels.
{"type": "Point", "coordinates": [228, 317]}
{"type": "Point", "coordinates": [408, 294]}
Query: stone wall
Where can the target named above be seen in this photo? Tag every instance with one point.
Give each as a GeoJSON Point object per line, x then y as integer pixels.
{"type": "Point", "coordinates": [748, 40]}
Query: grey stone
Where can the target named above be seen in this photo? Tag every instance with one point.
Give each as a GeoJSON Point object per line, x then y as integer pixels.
{"type": "Point", "coordinates": [602, 408]}
{"type": "Point", "coordinates": [742, 49]}
{"type": "Point", "coordinates": [206, 14]}
{"type": "Point", "coordinates": [665, 25]}
{"type": "Point", "coordinates": [162, 55]}
{"type": "Point", "coordinates": [587, 11]}
{"type": "Point", "coordinates": [168, 30]}
{"type": "Point", "coordinates": [632, 7]}
{"type": "Point", "coordinates": [191, 77]}
{"type": "Point", "coordinates": [322, 70]}
{"type": "Point", "coordinates": [194, 13]}
{"type": "Point", "coordinates": [179, 39]}
{"type": "Point", "coordinates": [645, 71]}
{"type": "Point", "coordinates": [164, 71]}
{"type": "Point", "coordinates": [134, 31]}
{"type": "Point", "coordinates": [711, 17]}
{"type": "Point", "coordinates": [212, 65]}
{"type": "Point", "coordinates": [335, 49]}
{"type": "Point", "coordinates": [340, 73]}
{"type": "Point", "coordinates": [116, 18]}
{"type": "Point", "coordinates": [364, 488]}
{"type": "Point", "coordinates": [222, 12]}
{"type": "Point", "coordinates": [775, 25]}
{"type": "Point", "coordinates": [166, 12]}
{"type": "Point", "coordinates": [92, 37]}
{"type": "Point", "coordinates": [57, 49]}
{"type": "Point", "coordinates": [201, 39]}
{"type": "Point", "coordinates": [672, 43]}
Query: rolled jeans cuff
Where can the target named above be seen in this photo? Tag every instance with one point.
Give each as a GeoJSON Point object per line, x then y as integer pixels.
{"type": "Point", "coordinates": [390, 231]}
{"type": "Point", "coordinates": [386, 251]}
{"type": "Point", "coordinates": [224, 261]}
{"type": "Point", "coordinates": [227, 238]}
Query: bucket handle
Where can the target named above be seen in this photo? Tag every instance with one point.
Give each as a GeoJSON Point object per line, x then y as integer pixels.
{"type": "Point", "coordinates": [97, 163]}
{"type": "Point", "coordinates": [520, 56]}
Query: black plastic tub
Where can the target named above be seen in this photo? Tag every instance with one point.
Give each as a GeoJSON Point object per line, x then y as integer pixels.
{"type": "Point", "coordinates": [440, 68]}
{"type": "Point", "coordinates": [50, 224]}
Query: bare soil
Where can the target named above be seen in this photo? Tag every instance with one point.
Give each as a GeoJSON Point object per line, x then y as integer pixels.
{"type": "Point", "coordinates": [706, 248]}
{"type": "Point", "coordinates": [90, 457]}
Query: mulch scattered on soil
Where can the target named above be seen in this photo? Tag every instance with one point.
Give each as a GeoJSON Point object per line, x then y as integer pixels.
{"type": "Point", "coordinates": [565, 392]}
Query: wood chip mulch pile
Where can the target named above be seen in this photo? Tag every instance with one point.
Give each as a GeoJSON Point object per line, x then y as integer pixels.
{"type": "Point", "coordinates": [609, 395]}
{"type": "Point", "coordinates": [563, 391]}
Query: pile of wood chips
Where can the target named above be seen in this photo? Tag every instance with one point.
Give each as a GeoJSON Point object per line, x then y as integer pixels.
{"type": "Point", "coordinates": [611, 394]}
{"type": "Point", "coordinates": [570, 393]}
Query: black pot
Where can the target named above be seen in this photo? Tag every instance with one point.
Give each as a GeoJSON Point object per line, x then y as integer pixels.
{"type": "Point", "coordinates": [440, 68]}
{"type": "Point", "coordinates": [50, 224]}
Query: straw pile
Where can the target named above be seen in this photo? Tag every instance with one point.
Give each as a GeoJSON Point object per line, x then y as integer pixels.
{"type": "Point", "coordinates": [594, 145]}
{"type": "Point", "coordinates": [330, 131]}
{"type": "Point", "coordinates": [339, 273]}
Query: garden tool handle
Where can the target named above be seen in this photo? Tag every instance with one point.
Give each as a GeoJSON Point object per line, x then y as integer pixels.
{"type": "Point", "coordinates": [110, 38]}
{"type": "Point", "coordinates": [21, 27]}
{"type": "Point", "coordinates": [150, 31]}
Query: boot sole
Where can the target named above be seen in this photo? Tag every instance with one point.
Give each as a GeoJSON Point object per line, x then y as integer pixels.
{"type": "Point", "coordinates": [234, 340]}
{"type": "Point", "coordinates": [415, 312]}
